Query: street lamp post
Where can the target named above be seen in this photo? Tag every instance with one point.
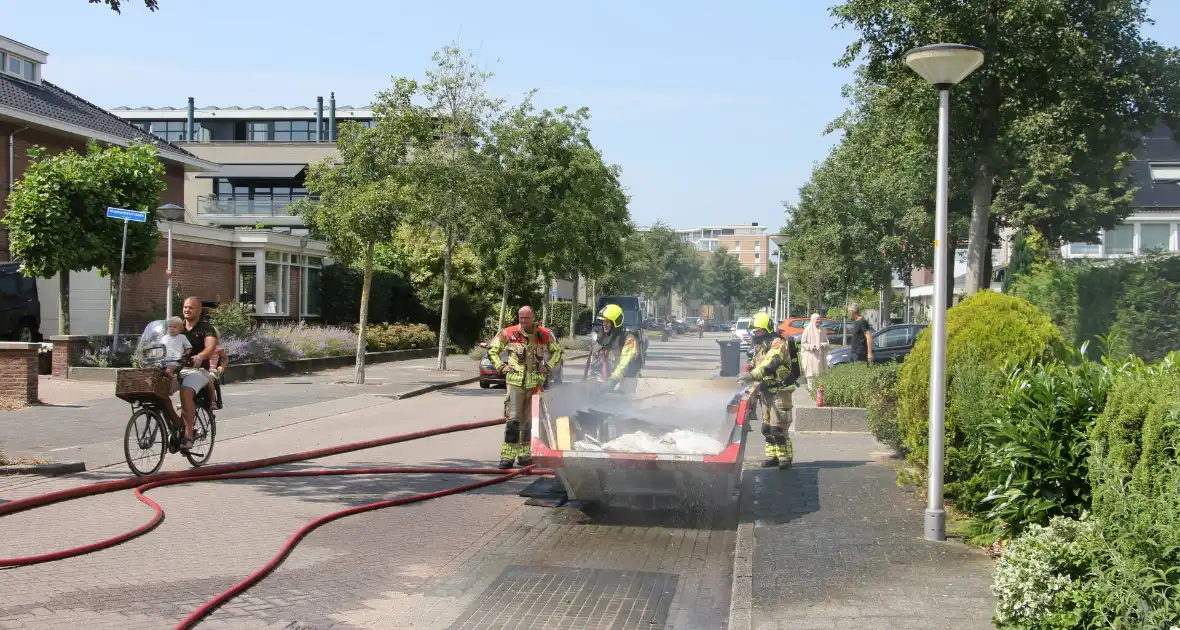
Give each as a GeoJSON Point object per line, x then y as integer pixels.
{"type": "Point", "coordinates": [171, 213]}
{"type": "Point", "coordinates": [943, 66]}
{"type": "Point", "coordinates": [779, 240]}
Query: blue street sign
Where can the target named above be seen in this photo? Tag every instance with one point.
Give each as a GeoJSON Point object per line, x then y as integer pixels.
{"type": "Point", "coordinates": [127, 215]}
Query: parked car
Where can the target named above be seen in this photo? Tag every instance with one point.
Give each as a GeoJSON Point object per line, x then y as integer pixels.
{"type": "Point", "coordinates": [679, 327]}
{"type": "Point", "coordinates": [889, 344]}
{"type": "Point", "coordinates": [795, 325]}
{"type": "Point", "coordinates": [741, 332]}
{"type": "Point", "coordinates": [20, 308]}
{"type": "Point", "coordinates": [489, 375]}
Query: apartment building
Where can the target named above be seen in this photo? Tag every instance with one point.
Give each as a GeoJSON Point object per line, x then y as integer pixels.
{"type": "Point", "coordinates": [264, 153]}
{"type": "Point", "coordinates": [749, 242]}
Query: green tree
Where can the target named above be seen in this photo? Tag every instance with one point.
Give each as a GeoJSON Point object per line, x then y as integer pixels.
{"type": "Point", "coordinates": [672, 264]}
{"type": "Point", "coordinates": [758, 291]}
{"type": "Point", "coordinates": [1042, 132]}
{"type": "Point", "coordinates": [725, 279]}
{"type": "Point", "coordinates": [117, 5]}
{"type": "Point", "coordinates": [451, 179]}
{"type": "Point", "coordinates": [57, 213]}
{"type": "Point", "coordinates": [364, 195]}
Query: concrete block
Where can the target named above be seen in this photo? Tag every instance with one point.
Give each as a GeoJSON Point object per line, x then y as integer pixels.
{"type": "Point", "coordinates": [813, 419]}
{"type": "Point", "coordinates": [849, 419]}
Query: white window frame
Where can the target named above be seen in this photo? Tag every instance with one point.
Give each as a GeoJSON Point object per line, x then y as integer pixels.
{"type": "Point", "coordinates": [304, 265]}
{"type": "Point", "coordinates": [1136, 239]}
{"type": "Point", "coordinates": [32, 65]}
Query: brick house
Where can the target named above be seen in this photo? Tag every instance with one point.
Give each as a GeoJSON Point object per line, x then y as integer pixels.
{"type": "Point", "coordinates": [278, 272]}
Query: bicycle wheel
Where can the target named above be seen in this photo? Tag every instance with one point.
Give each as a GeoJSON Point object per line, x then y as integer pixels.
{"type": "Point", "coordinates": [144, 442]}
{"type": "Point", "coordinates": [204, 433]}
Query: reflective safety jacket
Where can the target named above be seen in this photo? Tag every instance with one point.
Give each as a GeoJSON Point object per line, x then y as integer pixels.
{"type": "Point", "coordinates": [526, 354]}
{"type": "Point", "coordinates": [619, 357]}
{"type": "Point", "coordinates": [776, 363]}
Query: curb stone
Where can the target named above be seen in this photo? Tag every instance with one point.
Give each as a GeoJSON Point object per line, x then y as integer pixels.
{"type": "Point", "coordinates": [50, 469]}
{"type": "Point", "coordinates": [741, 599]}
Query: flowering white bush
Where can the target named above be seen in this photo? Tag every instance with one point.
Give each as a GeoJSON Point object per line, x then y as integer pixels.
{"type": "Point", "coordinates": [1045, 578]}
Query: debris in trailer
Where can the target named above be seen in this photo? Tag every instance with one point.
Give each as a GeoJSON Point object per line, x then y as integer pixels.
{"type": "Point", "coordinates": [678, 442]}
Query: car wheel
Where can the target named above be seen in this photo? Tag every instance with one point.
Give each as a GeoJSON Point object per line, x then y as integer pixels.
{"type": "Point", "coordinates": [484, 384]}
{"type": "Point", "coordinates": [27, 334]}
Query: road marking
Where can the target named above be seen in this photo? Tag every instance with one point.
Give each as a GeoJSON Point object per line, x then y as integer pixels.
{"type": "Point", "coordinates": [248, 391]}
{"type": "Point", "coordinates": [64, 448]}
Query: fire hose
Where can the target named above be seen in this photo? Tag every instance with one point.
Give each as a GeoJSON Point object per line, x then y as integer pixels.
{"type": "Point", "coordinates": [236, 470]}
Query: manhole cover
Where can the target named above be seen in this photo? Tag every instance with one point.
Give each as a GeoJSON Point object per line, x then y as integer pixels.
{"type": "Point", "coordinates": [561, 597]}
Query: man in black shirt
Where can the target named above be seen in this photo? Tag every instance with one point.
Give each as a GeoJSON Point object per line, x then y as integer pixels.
{"type": "Point", "coordinates": [203, 337]}
{"type": "Point", "coordinates": [861, 343]}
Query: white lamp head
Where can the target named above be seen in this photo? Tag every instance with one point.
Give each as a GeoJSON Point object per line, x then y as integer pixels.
{"type": "Point", "coordinates": [944, 64]}
{"type": "Point", "coordinates": [171, 212]}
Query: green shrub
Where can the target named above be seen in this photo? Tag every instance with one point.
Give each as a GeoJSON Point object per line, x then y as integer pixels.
{"type": "Point", "coordinates": [232, 319]}
{"type": "Point", "coordinates": [559, 318]}
{"type": "Point", "coordinates": [1036, 451]}
{"type": "Point", "coordinates": [575, 344]}
{"type": "Point", "coordinates": [1000, 330]}
{"type": "Point", "coordinates": [1044, 580]}
{"type": "Point", "coordinates": [391, 297]}
{"type": "Point", "coordinates": [1135, 301]}
{"type": "Point", "coordinates": [975, 397]}
{"type": "Point", "coordinates": [847, 385]}
{"type": "Point", "coordinates": [881, 407]}
{"type": "Point", "coordinates": [383, 337]}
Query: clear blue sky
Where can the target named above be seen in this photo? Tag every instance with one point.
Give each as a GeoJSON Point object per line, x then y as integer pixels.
{"type": "Point", "coordinates": [716, 113]}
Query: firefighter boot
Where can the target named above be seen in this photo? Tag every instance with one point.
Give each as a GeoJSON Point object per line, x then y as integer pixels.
{"type": "Point", "coordinates": [772, 460]}
{"type": "Point", "coordinates": [786, 451]}
{"type": "Point", "coordinates": [508, 454]}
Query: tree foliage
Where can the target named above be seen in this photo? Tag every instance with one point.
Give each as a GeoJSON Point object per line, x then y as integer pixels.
{"type": "Point", "coordinates": [364, 195]}
{"type": "Point", "coordinates": [57, 213]}
{"type": "Point", "coordinates": [1040, 134]}
{"type": "Point", "coordinates": [117, 5]}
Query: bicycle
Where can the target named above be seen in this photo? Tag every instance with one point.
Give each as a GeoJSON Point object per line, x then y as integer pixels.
{"type": "Point", "coordinates": [155, 429]}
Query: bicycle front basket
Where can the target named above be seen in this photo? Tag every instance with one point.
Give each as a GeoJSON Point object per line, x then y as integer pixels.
{"type": "Point", "coordinates": [131, 384]}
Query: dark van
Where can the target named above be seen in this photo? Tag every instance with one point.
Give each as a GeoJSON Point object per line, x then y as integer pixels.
{"type": "Point", "coordinates": [20, 310]}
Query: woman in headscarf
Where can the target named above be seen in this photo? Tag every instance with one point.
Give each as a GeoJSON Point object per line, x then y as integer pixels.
{"type": "Point", "coordinates": [815, 349]}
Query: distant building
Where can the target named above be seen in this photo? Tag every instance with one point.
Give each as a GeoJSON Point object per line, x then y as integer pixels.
{"type": "Point", "coordinates": [748, 241]}
{"type": "Point", "coordinates": [264, 154]}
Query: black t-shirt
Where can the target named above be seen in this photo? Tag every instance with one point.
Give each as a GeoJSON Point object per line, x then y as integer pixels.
{"type": "Point", "coordinates": [196, 336]}
{"type": "Point", "coordinates": [857, 345]}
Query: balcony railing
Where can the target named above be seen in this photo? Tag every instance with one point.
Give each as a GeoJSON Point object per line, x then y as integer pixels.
{"type": "Point", "coordinates": [277, 206]}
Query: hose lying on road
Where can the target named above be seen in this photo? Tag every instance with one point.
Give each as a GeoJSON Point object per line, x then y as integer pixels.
{"type": "Point", "coordinates": [235, 471]}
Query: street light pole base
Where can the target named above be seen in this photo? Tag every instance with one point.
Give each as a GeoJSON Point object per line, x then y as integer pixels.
{"type": "Point", "coordinates": [936, 525]}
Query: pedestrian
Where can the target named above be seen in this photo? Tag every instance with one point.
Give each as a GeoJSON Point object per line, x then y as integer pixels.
{"type": "Point", "coordinates": [776, 370]}
{"type": "Point", "coordinates": [815, 350]}
{"type": "Point", "coordinates": [861, 344]}
{"type": "Point", "coordinates": [524, 373]}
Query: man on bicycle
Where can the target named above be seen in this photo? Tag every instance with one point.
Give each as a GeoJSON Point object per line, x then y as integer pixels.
{"type": "Point", "coordinates": [203, 337]}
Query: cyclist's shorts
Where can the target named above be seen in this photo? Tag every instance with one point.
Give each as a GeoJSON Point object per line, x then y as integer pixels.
{"type": "Point", "coordinates": [194, 379]}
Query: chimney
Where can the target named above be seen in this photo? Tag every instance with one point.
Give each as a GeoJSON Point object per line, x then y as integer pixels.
{"type": "Point", "coordinates": [332, 118]}
{"type": "Point", "coordinates": [188, 130]}
{"type": "Point", "coordinates": [319, 118]}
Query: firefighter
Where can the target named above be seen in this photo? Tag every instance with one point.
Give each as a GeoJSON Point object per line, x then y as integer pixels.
{"type": "Point", "coordinates": [524, 374]}
{"type": "Point", "coordinates": [776, 369]}
{"type": "Point", "coordinates": [619, 356]}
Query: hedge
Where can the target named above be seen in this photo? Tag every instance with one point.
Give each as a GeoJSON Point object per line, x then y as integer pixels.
{"type": "Point", "coordinates": [1136, 302]}
{"type": "Point", "coordinates": [997, 330]}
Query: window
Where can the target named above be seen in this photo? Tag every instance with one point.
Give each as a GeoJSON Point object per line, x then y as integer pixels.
{"type": "Point", "coordinates": [757, 246]}
{"type": "Point", "coordinates": [727, 232]}
{"type": "Point", "coordinates": [294, 131]}
{"type": "Point", "coordinates": [1155, 236]}
{"type": "Point", "coordinates": [757, 270]}
{"type": "Point", "coordinates": [313, 287]}
{"type": "Point", "coordinates": [247, 283]}
{"type": "Point", "coordinates": [1119, 240]}
{"type": "Point", "coordinates": [757, 255]}
{"type": "Point", "coordinates": [1162, 173]}
{"type": "Point", "coordinates": [17, 66]}
{"type": "Point", "coordinates": [172, 130]}
{"type": "Point", "coordinates": [275, 285]}
{"type": "Point", "coordinates": [258, 132]}
{"type": "Point", "coordinates": [1084, 249]}
{"type": "Point", "coordinates": [737, 246]}
{"type": "Point", "coordinates": [896, 338]}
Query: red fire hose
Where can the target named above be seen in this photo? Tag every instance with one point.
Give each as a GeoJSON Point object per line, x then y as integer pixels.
{"type": "Point", "coordinates": [234, 471]}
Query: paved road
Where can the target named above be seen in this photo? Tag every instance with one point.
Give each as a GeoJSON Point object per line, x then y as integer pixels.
{"type": "Point", "coordinates": [441, 564]}
{"type": "Point", "coordinates": [92, 430]}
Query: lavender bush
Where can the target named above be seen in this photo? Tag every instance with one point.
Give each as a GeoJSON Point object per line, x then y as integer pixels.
{"type": "Point", "coordinates": [259, 349]}
{"type": "Point", "coordinates": [312, 342]}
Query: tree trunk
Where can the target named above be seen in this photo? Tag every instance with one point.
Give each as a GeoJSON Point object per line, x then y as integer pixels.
{"type": "Point", "coordinates": [448, 247]}
{"type": "Point", "coordinates": [592, 297]}
{"type": "Point", "coordinates": [63, 303]}
{"type": "Point", "coordinates": [977, 237]}
{"type": "Point", "coordinates": [503, 301]}
{"type": "Point", "coordinates": [887, 305]}
{"type": "Point", "coordinates": [573, 311]}
{"type": "Point", "coordinates": [363, 328]}
{"type": "Point", "coordinates": [545, 299]}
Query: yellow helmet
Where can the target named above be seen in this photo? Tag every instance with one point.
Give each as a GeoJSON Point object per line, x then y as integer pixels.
{"type": "Point", "coordinates": [762, 322]}
{"type": "Point", "coordinates": [612, 313]}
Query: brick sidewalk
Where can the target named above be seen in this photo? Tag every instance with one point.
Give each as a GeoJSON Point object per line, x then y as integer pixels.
{"type": "Point", "coordinates": [835, 543]}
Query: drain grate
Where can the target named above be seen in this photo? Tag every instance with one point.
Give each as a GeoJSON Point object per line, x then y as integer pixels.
{"type": "Point", "coordinates": [545, 598]}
